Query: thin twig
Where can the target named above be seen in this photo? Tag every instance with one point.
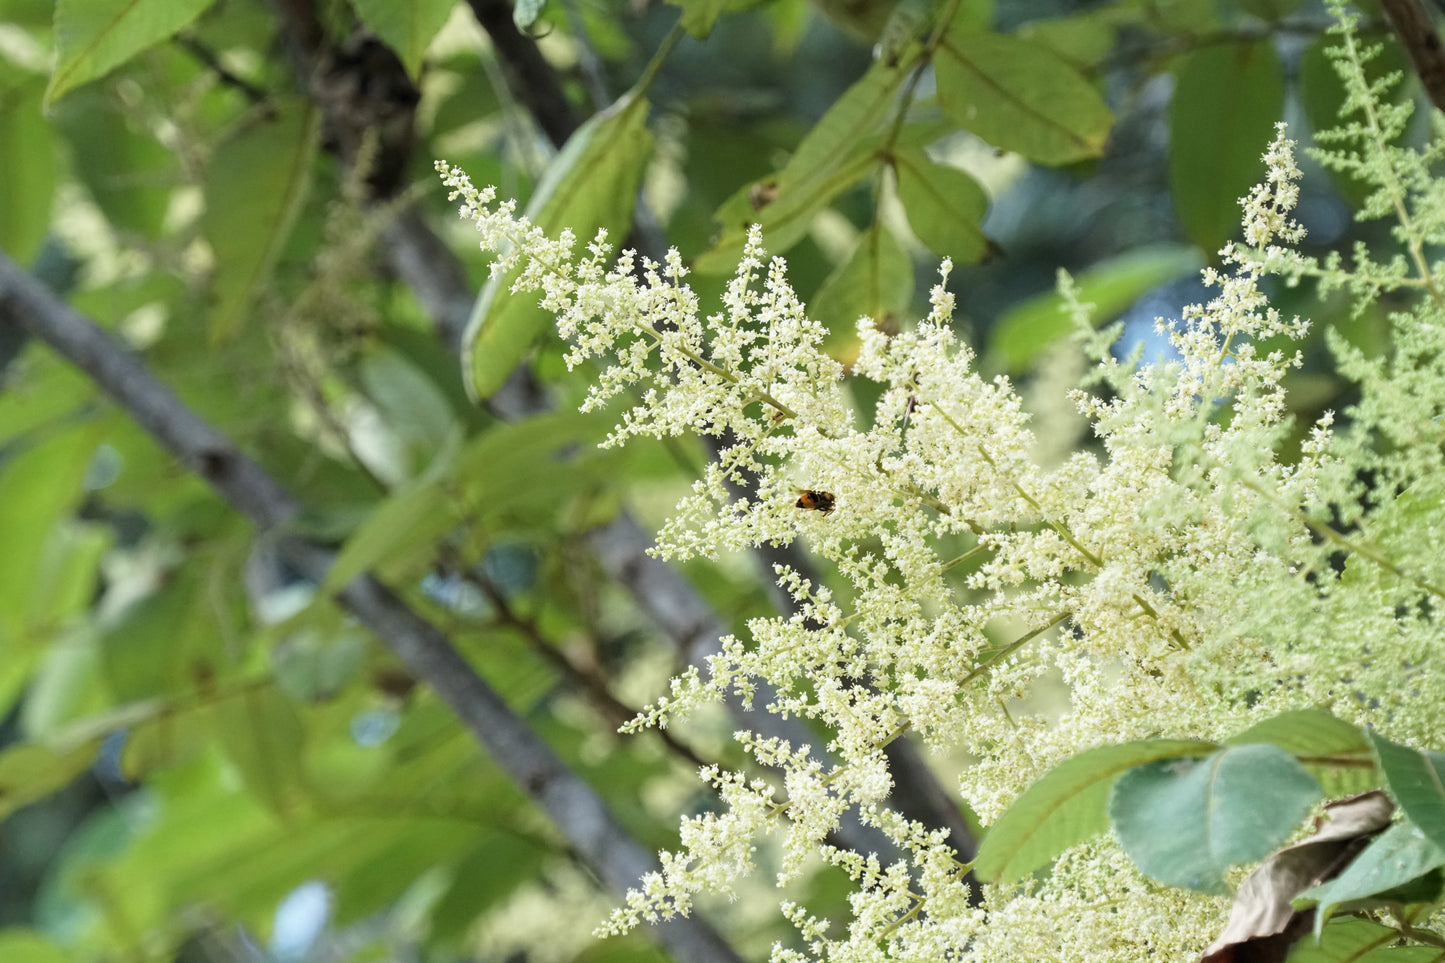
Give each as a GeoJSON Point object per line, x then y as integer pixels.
{"type": "Point", "coordinates": [573, 805]}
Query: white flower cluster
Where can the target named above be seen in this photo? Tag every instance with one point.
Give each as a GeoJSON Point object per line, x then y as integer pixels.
{"type": "Point", "coordinates": [1187, 576]}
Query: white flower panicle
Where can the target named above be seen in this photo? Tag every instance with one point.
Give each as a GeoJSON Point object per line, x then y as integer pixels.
{"type": "Point", "coordinates": [1184, 577]}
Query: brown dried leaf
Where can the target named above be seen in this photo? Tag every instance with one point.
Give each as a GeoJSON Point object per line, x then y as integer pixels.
{"type": "Point", "coordinates": [1262, 924]}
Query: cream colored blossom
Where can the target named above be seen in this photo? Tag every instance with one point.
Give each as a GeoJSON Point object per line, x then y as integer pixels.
{"type": "Point", "coordinates": [1184, 578]}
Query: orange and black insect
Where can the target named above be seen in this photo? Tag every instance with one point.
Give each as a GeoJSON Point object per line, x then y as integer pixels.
{"type": "Point", "coordinates": [816, 501]}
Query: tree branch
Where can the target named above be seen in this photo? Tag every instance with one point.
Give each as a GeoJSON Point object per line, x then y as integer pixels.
{"type": "Point", "coordinates": [533, 81]}
{"type": "Point", "coordinates": [1416, 31]}
{"type": "Point", "coordinates": [576, 809]}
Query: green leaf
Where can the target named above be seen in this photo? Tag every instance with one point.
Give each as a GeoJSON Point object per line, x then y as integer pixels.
{"type": "Point", "coordinates": [1019, 96]}
{"type": "Point", "coordinates": [1305, 732]}
{"type": "Point", "coordinates": [1226, 101]}
{"type": "Point", "coordinates": [410, 403]}
{"type": "Point", "coordinates": [29, 946]}
{"type": "Point", "coordinates": [1067, 806]}
{"type": "Point", "coordinates": [1111, 286]}
{"type": "Point", "coordinates": [414, 515]}
{"type": "Point", "coordinates": [1185, 821]}
{"type": "Point", "coordinates": [407, 28]}
{"type": "Point", "coordinates": [124, 167]}
{"type": "Point", "coordinates": [1322, 94]}
{"type": "Point", "coordinates": [39, 486]}
{"type": "Point", "coordinates": [255, 186]}
{"type": "Point", "coordinates": [263, 737]}
{"type": "Point", "coordinates": [699, 16]}
{"type": "Point", "coordinates": [945, 207]}
{"type": "Point", "coordinates": [876, 281]}
{"type": "Point", "coordinates": [1399, 856]}
{"type": "Point", "coordinates": [477, 885]}
{"type": "Point", "coordinates": [29, 772]}
{"type": "Point", "coordinates": [1336, 753]}
{"type": "Point", "coordinates": [826, 162]}
{"type": "Point", "coordinates": [93, 37]}
{"type": "Point", "coordinates": [1358, 941]}
{"type": "Point", "coordinates": [1416, 778]}
{"type": "Point", "coordinates": [592, 183]}
{"type": "Point", "coordinates": [28, 161]}
{"type": "Point", "coordinates": [479, 482]}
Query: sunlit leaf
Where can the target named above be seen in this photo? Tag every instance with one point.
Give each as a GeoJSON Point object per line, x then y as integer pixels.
{"type": "Point", "coordinates": [28, 162]}
{"type": "Point", "coordinates": [1111, 286]}
{"type": "Point", "coordinates": [93, 37]}
{"type": "Point", "coordinates": [407, 28]}
{"type": "Point", "coordinates": [591, 184]}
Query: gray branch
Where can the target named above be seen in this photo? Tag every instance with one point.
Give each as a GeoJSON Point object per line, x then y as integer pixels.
{"type": "Point", "coordinates": [576, 809]}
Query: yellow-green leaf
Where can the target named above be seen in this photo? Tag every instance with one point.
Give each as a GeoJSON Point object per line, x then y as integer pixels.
{"type": "Point", "coordinates": [28, 162]}
{"type": "Point", "coordinates": [591, 184]}
{"type": "Point", "coordinates": [832, 158]}
{"type": "Point", "coordinates": [407, 28]}
{"type": "Point", "coordinates": [93, 37]}
{"type": "Point", "coordinates": [1028, 329]}
{"type": "Point", "coordinates": [255, 187]}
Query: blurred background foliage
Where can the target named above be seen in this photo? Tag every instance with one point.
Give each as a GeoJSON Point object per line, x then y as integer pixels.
{"type": "Point", "coordinates": [203, 758]}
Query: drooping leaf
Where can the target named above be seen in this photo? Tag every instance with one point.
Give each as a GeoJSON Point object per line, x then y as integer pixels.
{"type": "Point", "coordinates": [1111, 285]}
{"type": "Point", "coordinates": [1067, 806]}
{"type": "Point", "coordinates": [255, 186]}
{"type": "Point", "coordinates": [1263, 921]}
{"type": "Point", "coordinates": [93, 37]}
{"type": "Point", "coordinates": [478, 482]}
{"type": "Point", "coordinates": [1186, 821]}
{"type": "Point", "coordinates": [1020, 96]}
{"type": "Point", "coordinates": [263, 737]}
{"type": "Point", "coordinates": [945, 206]}
{"type": "Point", "coordinates": [829, 160]}
{"type": "Point", "coordinates": [1384, 872]}
{"type": "Point", "coordinates": [876, 281]}
{"type": "Point", "coordinates": [407, 28]}
{"type": "Point", "coordinates": [1226, 102]}
{"type": "Point", "coordinates": [591, 184]}
{"type": "Point", "coordinates": [1416, 778]}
